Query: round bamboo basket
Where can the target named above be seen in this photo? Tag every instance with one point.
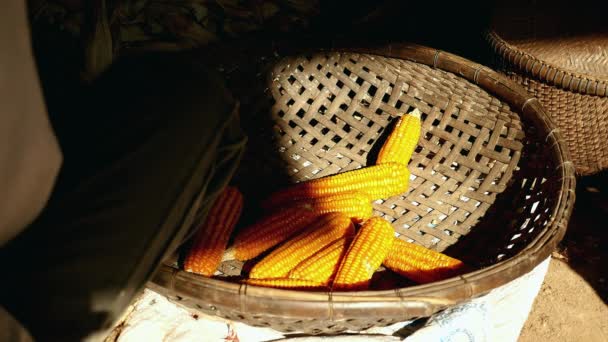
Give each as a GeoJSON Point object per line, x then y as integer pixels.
{"type": "Point", "coordinates": [492, 182]}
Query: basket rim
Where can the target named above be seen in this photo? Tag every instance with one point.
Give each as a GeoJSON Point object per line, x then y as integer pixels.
{"type": "Point", "coordinates": [547, 72]}
{"type": "Point", "coordinates": [412, 301]}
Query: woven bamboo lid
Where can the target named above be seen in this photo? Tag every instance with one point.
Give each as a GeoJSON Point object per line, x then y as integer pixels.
{"type": "Point", "coordinates": [557, 42]}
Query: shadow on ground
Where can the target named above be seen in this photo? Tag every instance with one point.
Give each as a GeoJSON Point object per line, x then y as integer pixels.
{"type": "Point", "coordinates": [584, 245]}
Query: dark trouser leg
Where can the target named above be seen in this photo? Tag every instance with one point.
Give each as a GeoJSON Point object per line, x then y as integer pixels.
{"type": "Point", "coordinates": [152, 135]}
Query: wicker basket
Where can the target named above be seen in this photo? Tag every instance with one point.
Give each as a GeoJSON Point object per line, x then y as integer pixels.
{"type": "Point", "coordinates": [471, 194]}
{"type": "Point", "coordinates": [559, 53]}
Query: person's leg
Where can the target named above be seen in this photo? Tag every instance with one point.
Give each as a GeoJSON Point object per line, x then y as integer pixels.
{"type": "Point", "coordinates": [156, 139]}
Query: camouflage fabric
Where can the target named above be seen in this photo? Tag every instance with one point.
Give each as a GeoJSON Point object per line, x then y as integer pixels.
{"type": "Point", "coordinates": [180, 24]}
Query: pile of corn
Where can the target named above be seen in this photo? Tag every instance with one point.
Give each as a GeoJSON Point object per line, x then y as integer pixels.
{"type": "Point", "coordinates": [322, 231]}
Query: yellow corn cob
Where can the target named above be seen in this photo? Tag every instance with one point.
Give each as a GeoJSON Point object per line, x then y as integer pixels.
{"type": "Point", "coordinates": [322, 266]}
{"type": "Point", "coordinates": [403, 140]}
{"type": "Point", "coordinates": [324, 231]}
{"type": "Point", "coordinates": [420, 264]}
{"type": "Point", "coordinates": [269, 231]}
{"type": "Point", "coordinates": [287, 283]}
{"type": "Point", "coordinates": [365, 254]}
{"type": "Point", "coordinates": [277, 227]}
{"type": "Point", "coordinates": [353, 204]}
{"type": "Point", "coordinates": [379, 181]}
{"type": "Point", "coordinates": [212, 236]}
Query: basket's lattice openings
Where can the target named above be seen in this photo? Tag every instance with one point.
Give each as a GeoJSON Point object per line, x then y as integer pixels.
{"type": "Point", "coordinates": [532, 194]}
{"type": "Point", "coordinates": [529, 199]}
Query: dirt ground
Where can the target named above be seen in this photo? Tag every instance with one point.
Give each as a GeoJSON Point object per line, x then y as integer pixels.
{"type": "Point", "coordinates": [572, 303]}
{"type": "Point", "coordinates": [566, 309]}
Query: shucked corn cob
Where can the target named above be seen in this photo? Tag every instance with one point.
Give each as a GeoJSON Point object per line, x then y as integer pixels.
{"type": "Point", "coordinates": [212, 236]}
{"type": "Point", "coordinates": [420, 264]}
{"type": "Point", "coordinates": [322, 232]}
{"type": "Point", "coordinates": [365, 254]}
{"type": "Point", "coordinates": [403, 140]}
{"type": "Point", "coordinates": [322, 266]}
{"type": "Point", "coordinates": [268, 232]}
{"type": "Point", "coordinates": [352, 204]}
{"type": "Point", "coordinates": [379, 181]}
{"type": "Point", "coordinates": [286, 283]}
{"type": "Point", "coordinates": [277, 227]}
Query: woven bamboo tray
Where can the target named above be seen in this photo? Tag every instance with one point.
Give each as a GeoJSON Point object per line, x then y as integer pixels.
{"type": "Point", "coordinates": [559, 53]}
{"type": "Point", "coordinates": [491, 184]}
